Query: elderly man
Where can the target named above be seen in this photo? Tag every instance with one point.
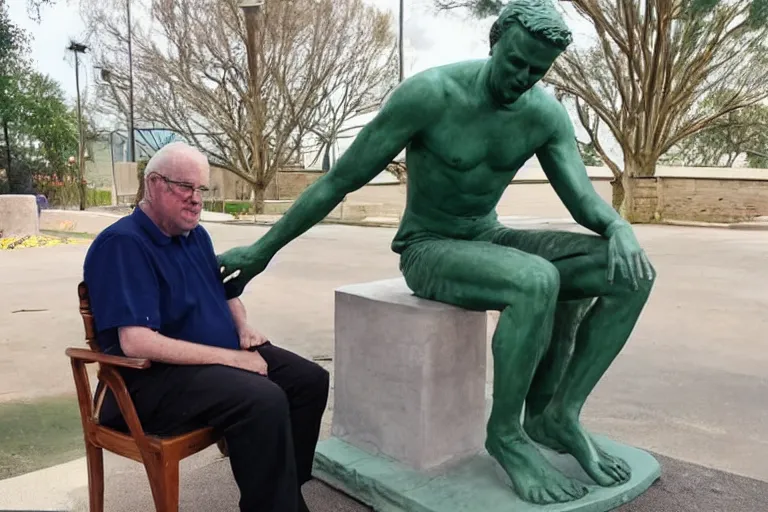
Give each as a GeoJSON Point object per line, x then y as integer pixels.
{"type": "Point", "coordinates": [156, 293]}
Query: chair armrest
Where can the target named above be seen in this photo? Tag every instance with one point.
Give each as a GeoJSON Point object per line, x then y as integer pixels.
{"type": "Point", "coordinates": [89, 356]}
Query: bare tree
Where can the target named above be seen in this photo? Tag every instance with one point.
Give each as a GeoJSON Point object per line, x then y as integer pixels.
{"type": "Point", "coordinates": [35, 8]}
{"type": "Point", "coordinates": [191, 74]}
{"type": "Point", "coordinates": [355, 88]}
{"type": "Point", "coordinates": [478, 8]}
{"type": "Point", "coordinates": [644, 85]}
{"type": "Point", "coordinates": [737, 134]}
{"type": "Point", "coordinates": [648, 79]}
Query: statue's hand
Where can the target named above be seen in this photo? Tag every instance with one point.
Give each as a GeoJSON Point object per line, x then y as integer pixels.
{"type": "Point", "coordinates": [239, 265]}
{"type": "Point", "coordinates": [625, 252]}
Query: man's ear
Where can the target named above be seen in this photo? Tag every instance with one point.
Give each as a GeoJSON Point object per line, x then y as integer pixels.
{"type": "Point", "coordinates": [148, 189]}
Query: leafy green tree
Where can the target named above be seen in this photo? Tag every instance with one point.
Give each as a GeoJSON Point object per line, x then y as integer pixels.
{"type": "Point", "coordinates": [39, 130]}
{"type": "Point", "coordinates": [42, 130]}
{"type": "Point", "coordinates": [758, 159]}
{"type": "Point", "coordinates": [47, 126]}
{"type": "Point", "coordinates": [589, 154]}
{"type": "Point", "coordinates": [743, 132]}
{"type": "Point", "coordinates": [13, 44]}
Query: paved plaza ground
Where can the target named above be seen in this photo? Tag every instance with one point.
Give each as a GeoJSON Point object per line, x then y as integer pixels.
{"type": "Point", "coordinates": [691, 384]}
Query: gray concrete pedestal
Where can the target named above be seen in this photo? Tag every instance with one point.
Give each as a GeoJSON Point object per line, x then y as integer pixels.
{"type": "Point", "coordinates": [410, 411]}
{"type": "Point", "coordinates": [409, 375]}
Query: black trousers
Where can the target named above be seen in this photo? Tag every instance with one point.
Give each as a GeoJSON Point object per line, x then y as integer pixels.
{"type": "Point", "coordinates": [271, 424]}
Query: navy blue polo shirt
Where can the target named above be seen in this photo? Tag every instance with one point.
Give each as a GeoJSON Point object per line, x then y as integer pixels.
{"type": "Point", "coordinates": [138, 276]}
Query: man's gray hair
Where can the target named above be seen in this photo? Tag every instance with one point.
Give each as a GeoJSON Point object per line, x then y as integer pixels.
{"type": "Point", "coordinates": [167, 158]}
{"type": "Point", "coordinates": [539, 17]}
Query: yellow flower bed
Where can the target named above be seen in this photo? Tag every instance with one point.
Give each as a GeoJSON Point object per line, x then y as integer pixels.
{"type": "Point", "coordinates": [21, 242]}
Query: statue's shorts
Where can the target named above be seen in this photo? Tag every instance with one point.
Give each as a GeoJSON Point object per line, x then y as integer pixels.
{"type": "Point", "coordinates": [465, 272]}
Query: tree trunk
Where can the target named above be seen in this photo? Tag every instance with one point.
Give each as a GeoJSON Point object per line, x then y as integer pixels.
{"type": "Point", "coordinates": [617, 193]}
{"type": "Point", "coordinates": [624, 189]}
{"type": "Point", "coordinates": [258, 199]}
{"type": "Point", "coordinates": [140, 166]}
{"type": "Point", "coordinates": [7, 150]}
{"type": "Point", "coordinates": [81, 175]}
{"type": "Point", "coordinates": [624, 196]}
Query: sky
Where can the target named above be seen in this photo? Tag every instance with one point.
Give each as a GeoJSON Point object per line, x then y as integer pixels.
{"type": "Point", "coordinates": [431, 38]}
{"type": "Point", "coordinates": [52, 35]}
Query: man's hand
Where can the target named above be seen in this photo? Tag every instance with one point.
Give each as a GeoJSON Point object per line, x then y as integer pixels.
{"type": "Point", "coordinates": [250, 361]}
{"type": "Point", "coordinates": [239, 265]}
{"type": "Point", "coordinates": [250, 337]}
{"type": "Point", "coordinates": [625, 252]}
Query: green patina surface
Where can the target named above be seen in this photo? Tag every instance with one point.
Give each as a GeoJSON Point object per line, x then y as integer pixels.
{"type": "Point", "coordinates": [568, 302]}
{"type": "Point", "coordinates": [476, 485]}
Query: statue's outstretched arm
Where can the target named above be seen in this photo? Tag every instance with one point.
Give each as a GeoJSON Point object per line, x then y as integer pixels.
{"type": "Point", "coordinates": [411, 107]}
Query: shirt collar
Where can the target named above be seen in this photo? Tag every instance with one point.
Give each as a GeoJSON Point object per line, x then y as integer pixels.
{"type": "Point", "coordinates": [143, 220]}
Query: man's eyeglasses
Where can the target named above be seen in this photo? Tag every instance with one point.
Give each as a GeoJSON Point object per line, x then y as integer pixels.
{"type": "Point", "coordinates": [181, 187]}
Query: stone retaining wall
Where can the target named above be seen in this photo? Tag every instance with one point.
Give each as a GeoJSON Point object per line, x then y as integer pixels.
{"type": "Point", "coordinates": [722, 200]}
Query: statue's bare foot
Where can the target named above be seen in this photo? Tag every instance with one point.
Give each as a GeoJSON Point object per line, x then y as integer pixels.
{"type": "Point", "coordinates": [534, 479]}
{"type": "Point", "coordinates": [570, 436]}
{"type": "Point", "coordinates": [534, 427]}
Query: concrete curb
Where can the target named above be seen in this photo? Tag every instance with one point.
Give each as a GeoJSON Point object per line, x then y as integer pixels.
{"type": "Point", "coordinates": [370, 224]}
{"type": "Point", "coordinates": [46, 489]}
{"type": "Point", "coordinates": [382, 222]}
{"type": "Point", "coordinates": [750, 226]}
{"type": "Point", "coordinates": [392, 224]}
{"type": "Point", "coordinates": [694, 224]}
{"type": "Point", "coordinates": [85, 212]}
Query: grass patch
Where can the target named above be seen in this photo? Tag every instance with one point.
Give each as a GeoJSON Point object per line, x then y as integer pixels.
{"type": "Point", "coordinates": [39, 434]}
{"type": "Point", "coordinates": [67, 234]}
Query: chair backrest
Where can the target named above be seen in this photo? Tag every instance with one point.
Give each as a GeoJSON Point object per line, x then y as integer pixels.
{"type": "Point", "coordinates": [87, 314]}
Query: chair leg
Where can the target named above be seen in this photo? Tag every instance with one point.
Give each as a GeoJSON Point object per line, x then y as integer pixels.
{"type": "Point", "coordinates": [164, 481]}
{"type": "Point", "coordinates": [95, 459]}
{"type": "Point", "coordinates": [223, 448]}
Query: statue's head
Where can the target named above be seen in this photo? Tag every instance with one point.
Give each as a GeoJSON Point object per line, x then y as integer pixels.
{"type": "Point", "coordinates": [525, 40]}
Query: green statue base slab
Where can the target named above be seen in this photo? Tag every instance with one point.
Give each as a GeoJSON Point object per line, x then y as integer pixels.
{"type": "Point", "coordinates": [477, 484]}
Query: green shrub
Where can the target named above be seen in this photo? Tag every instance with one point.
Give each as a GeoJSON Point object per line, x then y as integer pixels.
{"type": "Point", "coordinates": [230, 207]}
{"type": "Point", "coordinates": [237, 207]}
{"type": "Point", "coordinates": [97, 197]}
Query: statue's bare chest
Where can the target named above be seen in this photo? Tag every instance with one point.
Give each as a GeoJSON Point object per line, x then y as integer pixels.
{"type": "Point", "coordinates": [502, 142]}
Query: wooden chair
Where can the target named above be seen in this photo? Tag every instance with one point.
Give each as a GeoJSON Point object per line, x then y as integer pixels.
{"type": "Point", "coordinates": [160, 456]}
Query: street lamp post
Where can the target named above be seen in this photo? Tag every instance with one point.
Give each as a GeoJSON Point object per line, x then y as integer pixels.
{"type": "Point", "coordinates": [131, 138]}
{"type": "Point", "coordinates": [251, 10]}
{"type": "Point", "coordinates": [252, 13]}
{"type": "Point", "coordinates": [400, 41]}
{"type": "Point", "coordinates": [79, 48]}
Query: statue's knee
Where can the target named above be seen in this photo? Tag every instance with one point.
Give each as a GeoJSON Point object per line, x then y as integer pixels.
{"type": "Point", "coordinates": [646, 281]}
{"type": "Point", "coordinates": [541, 284]}
{"type": "Point", "coordinates": [641, 286]}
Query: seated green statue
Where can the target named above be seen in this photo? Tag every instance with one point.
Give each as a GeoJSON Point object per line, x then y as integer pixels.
{"type": "Point", "coordinates": [567, 301]}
